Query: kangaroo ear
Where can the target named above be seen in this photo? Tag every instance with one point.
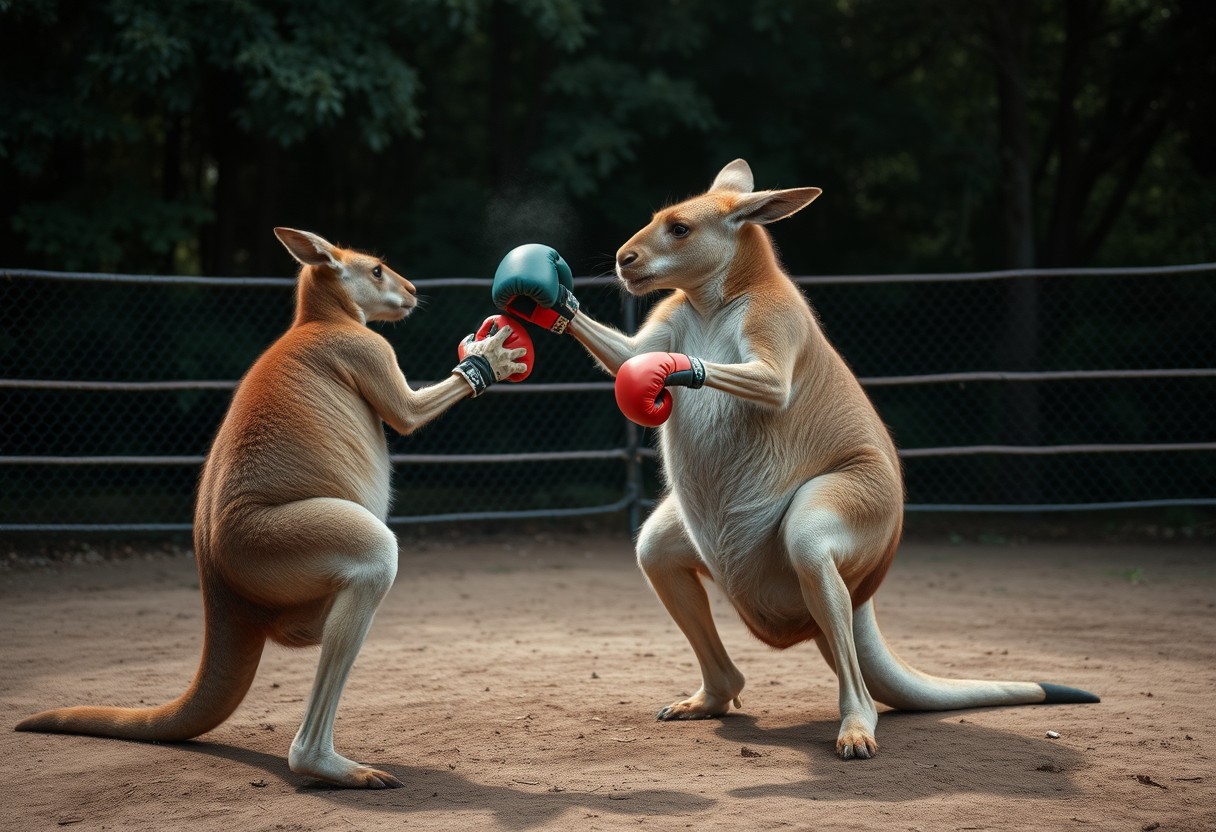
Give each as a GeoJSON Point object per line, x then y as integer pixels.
{"type": "Point", "coordinates": [769, 206]}
{"type": "Point", "coordinates": [309, 249]}
{"type": "Point", "coordinates": [736, 177]}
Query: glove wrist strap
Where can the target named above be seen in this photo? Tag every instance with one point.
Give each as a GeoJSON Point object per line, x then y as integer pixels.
{"type": "Point", "coordinates": [477, 372]}
{"type": "Point", "coordinates": [566, 308]}
{"type": "Point", "coordinates": [693, 377]}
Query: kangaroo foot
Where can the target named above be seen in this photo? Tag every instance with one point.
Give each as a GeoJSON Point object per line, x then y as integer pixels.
{"type": "Point", "coordinates": [856, 740]}
{"type": "Point", "coordinates": [334, 768]}
{"type": "Point", "coordinates": [701, 705]}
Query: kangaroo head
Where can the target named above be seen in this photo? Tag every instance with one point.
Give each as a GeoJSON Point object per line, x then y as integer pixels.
{"type": "Point", "coordinates": [361, 283]}
{"type": "Point", "coordinates": [693, 243]}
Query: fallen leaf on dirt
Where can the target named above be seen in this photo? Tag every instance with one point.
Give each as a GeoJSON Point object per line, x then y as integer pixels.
{"type": "Point", "coordinates": [747, 752]}
{"type": "Point", "coordinates": [258, 784]}
{"type": "Point", "coordinates": [68, 821]}
{"type": "Point", "coordinates": [626, 739]}
{"type": "Point", "coordinates": [1149, 827]}
{"type": "Point", "coordinates": [1049, 767]}
{"type": "Point", "coordinates": [1148, 781]}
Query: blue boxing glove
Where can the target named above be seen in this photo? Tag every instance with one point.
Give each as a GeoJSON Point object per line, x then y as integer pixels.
{"type": "Point", "coordinates": [533, 282]}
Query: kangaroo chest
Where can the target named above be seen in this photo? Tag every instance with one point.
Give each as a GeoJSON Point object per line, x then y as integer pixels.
{"type": "Point", "coordinates": [722, 457]}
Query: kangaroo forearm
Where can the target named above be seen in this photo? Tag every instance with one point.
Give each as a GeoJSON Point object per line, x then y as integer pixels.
{"type": "Point", "coordinates": [609, 346]}
{"type": "Point", "coordinates": [429, 403]}
{"type": "Point", "coordinates": [754, 381]}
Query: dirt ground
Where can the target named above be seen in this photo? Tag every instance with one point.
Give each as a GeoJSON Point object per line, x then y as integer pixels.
{"type": "Point", "coordinates": [512, 684]}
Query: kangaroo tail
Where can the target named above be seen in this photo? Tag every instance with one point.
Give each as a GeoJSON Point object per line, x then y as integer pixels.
{"type": "Point", "coordinates": [891, 681]}
{"type": "Point", "coordinates": [231, 650]}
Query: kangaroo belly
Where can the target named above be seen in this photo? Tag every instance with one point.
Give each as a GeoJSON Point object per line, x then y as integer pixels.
{"type": "Point", "coordinates": [728, 470]}
{"type": "Point", "coordinates": [733, 495]}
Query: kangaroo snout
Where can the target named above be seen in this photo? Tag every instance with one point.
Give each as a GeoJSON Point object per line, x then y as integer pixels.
{"type": "Point", "coordinates": [626, 259]}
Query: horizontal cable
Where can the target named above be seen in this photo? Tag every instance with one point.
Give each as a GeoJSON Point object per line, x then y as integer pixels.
{"type": "Point", "coordinates": [96, 527]}
{"type": "Point", "coordinates": [252, 282]}
{"type": "Point", "coordinates": [604, 386]}
{"type": "Point", "coordinates": [467, 516]}
{"type": "Point", "coordinates": [621, 505]}
{"type": "Point", "coordinates": [999, 508]}
{"type": "Point", "coordinates": [1048, 375]}
{"type": "Point", "coordinates": [539, 456]}
{"type": "Point", "coordinates": [527, 514]}
{"type": "Point", "coordinates": [474, 282]}
{"type": "Point", "coordinates": [172, 386]}
{"type": "Point", "coordinates": [1055, 507]}
{"type": "Point", "coordinates": [1052, 450]}
{"type": "Point", "coordinates": [102, 460]}
{"type": "Point", "coordinates": [624, 453]}
{"type": "Point", "coordinates": [113, 386]}
{"type": "Point", "coordinates": [1011, 274]}
{"type": "Point", "coordinates": [1029, 450]}
{"type": "Point", "coordinates": [396, 459]}
{"type": "Point", "coordinates": [150, 279]}
{"type": "Point", "coordinates": [555, 387]}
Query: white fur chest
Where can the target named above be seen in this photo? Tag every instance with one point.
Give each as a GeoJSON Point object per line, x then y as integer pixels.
{"type": "Point", "coordinates": [721, 461]}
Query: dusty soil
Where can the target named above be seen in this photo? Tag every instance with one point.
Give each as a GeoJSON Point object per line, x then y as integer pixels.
{"type": "Point", "coordinates": [512, 683]}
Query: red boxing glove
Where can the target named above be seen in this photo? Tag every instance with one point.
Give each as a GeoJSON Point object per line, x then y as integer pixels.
{"type": "Point", "coordinates": [641, 384]}
{"type": "Point", "coordinates": [518, 338]}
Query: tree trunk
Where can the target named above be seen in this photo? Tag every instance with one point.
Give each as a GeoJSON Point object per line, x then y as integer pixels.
{"type": "Point", "coordinates": [1072, 182]}
{"type": "Point", "coordinates": [1010, 29]}
{"type": "Point", "coordinates": [1010, 35]}
{"type": "Point", "coordinates": [500, 137]}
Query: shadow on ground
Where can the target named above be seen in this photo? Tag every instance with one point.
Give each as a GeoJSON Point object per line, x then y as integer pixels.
{"type": "Point", "coordinates": [430, 789]}
{"type": "Point", "coordinates": [919, 756]}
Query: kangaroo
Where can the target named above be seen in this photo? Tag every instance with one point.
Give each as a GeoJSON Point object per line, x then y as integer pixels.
{"type": "Point", "coordinates": [784, 486]}
{"type": "Point", "coordinates": [289, 528]}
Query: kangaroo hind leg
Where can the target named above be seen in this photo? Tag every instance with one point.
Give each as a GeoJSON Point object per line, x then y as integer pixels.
{"type": "Point", "coordinates": [316, 555]}
{"type": "Point", "coordinates": [824, 547]}
{"type": "Point", "coordinates": [670, 562]}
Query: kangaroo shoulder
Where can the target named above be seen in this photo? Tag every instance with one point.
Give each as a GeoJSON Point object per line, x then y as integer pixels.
{"type": "Point", "coordinates": [356, 347]}
{"type": "Point", "coordinates": [777, 316]}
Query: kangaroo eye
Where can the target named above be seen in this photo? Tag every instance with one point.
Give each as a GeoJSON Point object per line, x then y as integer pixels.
{"type": "Point", "coordinates": [377, 272]}
{"type": "Point", "coordinates": [679, 230]}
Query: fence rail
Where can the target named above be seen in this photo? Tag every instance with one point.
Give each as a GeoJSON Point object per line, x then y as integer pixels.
{"type": "Point", "coordinates": [1193, 286]}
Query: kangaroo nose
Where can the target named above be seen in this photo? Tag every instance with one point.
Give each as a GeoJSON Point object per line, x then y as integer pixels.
{"type": "Point", "coordinates": [627, 258]}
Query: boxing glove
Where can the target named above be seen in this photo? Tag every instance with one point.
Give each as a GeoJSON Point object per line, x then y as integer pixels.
{"type": "Point", "coordinates": [533, 282]}
{"type": "Point", "coordinates": [497, 351]}
{"type": "Point", "coordinates": [642, 382]}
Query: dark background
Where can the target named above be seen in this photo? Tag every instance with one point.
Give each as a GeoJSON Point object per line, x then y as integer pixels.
{"type": "Point", "coordinates": [161, 136]}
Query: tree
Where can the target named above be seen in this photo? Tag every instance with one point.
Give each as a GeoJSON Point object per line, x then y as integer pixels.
{"type": "Point", "coordinates": [142, 135]}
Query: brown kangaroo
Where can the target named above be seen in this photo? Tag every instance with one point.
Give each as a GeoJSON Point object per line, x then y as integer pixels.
{"type": "Point", "coordinates": [289, 527]}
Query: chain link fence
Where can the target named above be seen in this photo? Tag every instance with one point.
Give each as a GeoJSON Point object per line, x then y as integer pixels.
{"type": "Point", "coordinates": [1006, 391]}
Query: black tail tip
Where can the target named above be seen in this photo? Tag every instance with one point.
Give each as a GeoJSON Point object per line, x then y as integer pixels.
{"type": "Point", "coordinates": [1062, 695]}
